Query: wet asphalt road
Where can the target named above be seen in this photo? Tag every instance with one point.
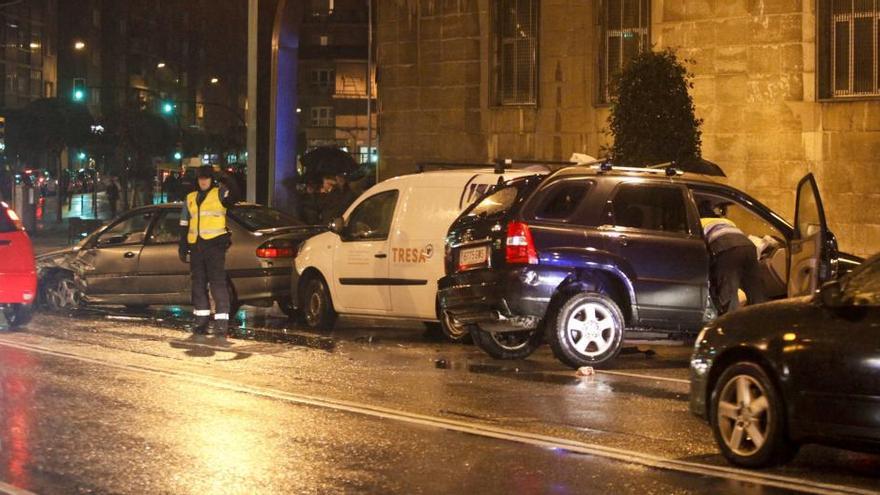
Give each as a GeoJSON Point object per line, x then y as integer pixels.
{"type": "Point", "coordinates": [108, 402]}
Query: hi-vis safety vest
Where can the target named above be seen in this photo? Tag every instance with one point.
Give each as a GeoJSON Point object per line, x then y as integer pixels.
{"type": "Point", "coordinates": [206, 220]}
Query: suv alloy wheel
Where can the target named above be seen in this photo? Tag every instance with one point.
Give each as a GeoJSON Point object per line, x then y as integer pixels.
{"type": "Point", "coordinates": [587, 330]}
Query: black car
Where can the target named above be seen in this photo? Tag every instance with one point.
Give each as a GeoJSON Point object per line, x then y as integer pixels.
{"type": "Point", "coordinates": [773, 376]}
{"type": "Point", "coordinates": [588, 252]}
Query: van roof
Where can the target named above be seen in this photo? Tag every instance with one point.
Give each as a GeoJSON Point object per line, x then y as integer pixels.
{"type": "Point", "coordinates": [457, 176]}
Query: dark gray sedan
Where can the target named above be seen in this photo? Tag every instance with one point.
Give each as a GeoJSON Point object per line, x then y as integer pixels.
{"type": "Point", "coordinates": [133, 260]}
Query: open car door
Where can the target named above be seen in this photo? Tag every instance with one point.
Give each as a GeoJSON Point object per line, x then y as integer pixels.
{"type": "Point", "coordinates": [810, 250]}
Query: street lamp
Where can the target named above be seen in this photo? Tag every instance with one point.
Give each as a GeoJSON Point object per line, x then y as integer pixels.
{"type": "Point", "coordinates": [215, 80]}
{"type": "Point", "coordinates": [160, 65]}
{"type": "Point", "coordinates": [79, 46]}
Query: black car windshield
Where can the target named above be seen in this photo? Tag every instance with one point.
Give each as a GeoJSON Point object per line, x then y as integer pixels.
{"type": "Point", "coordinates": [500, 199]}
{"type": "Point", "coordinates": [255, 217]}
{"type": "Point", "coordinates": [863, 286]}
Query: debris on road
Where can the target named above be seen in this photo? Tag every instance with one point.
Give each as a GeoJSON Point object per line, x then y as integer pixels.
{"type": "Point", "coordinates": [585, 371]}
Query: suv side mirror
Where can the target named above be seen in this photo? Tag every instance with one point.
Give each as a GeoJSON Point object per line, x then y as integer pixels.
{"type": "Point", "coordinates": [831, 294]}
{"type": "Point", "coordinates": [337, 226]}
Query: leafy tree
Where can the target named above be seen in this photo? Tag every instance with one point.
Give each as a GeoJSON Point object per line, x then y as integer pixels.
{"type": "Point", "coordinates": [137, 136]}
{"type": "Point", "coordinates": [652, 113]}
{"type": "Point", "coordinates": [48, 125]}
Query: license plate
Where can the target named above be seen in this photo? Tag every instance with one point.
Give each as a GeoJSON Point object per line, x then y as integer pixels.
{"type": "Point", "coordinates": [474, 257]}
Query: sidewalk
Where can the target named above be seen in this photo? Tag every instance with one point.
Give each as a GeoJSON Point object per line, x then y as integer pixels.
{"type": "Point", "coordinates": [50, 235]}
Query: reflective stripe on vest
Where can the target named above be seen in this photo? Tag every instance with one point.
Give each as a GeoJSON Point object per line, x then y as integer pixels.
{"type": "Point", "coordinates": [207, 220]}
{"type": "Point", "coordinates": [715, 228]}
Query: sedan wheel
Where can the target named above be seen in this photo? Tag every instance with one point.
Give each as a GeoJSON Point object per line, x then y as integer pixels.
{"type": "Point", "coordinates": [747, 418]}
{"type": "Point", "coordinates": [63, 293]}
{"type": "Point", "coordinates": [587, 330]}
{"type": "Point", "coordinates": [18, 315]}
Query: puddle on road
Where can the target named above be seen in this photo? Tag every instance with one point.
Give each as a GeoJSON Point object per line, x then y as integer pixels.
{"type": "Point", "coordinates": [260, 328]}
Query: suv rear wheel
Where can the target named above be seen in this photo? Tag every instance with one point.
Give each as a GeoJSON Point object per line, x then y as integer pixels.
{"type": "Point", "coordinates": [586, 330]}
{"type": "Point", "coordinates": [506, 345]}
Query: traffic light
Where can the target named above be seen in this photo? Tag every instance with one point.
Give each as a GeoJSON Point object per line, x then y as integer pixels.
{"type": "Point", "coordinates": [167, 108]}
{"type": "Point", "coordinates": [79, 89]}
{"type": "Point", "coordinates": [178, 155]}
{"type": "Point", "coordinates": [81, 155]}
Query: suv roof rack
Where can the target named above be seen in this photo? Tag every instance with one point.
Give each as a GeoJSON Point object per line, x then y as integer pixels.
{"type": "Point", "coordinates": [666, 169]}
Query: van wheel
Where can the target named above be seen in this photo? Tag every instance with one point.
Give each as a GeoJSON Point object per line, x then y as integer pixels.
{"type": "Point", "coordinates": [586, 330]}
{"type": "Point", "coordinates": [448, 331]}
{"type": "Point", "coordinates": [317, 306]}
{"type": "Point", "coordinates": [506, 345]}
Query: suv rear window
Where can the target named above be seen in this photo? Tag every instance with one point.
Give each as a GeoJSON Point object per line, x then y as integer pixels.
{"type": "Point", "coordinates": [648, 207]}
{"type": "Point", "coordinates": [502, 198]}
{"type": "Point", "coordinates": [253, 217]}
{"type": "Point", "coordinates": [561, 200]}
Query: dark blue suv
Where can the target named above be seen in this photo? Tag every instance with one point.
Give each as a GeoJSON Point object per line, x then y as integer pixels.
{"type": "Point", "coordinates": [589, 252]}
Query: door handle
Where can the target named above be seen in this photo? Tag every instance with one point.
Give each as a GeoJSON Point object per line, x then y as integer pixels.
{"type": "Point", "coordinates": [129, 254]}
{"type": "Point", "coordinates": [381, 256]}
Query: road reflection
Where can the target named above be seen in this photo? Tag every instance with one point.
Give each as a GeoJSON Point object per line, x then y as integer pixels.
{"type": "Point", "coordinates": [16, 401]}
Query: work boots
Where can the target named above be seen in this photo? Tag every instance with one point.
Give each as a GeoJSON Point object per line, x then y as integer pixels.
{"type": "Point", "coordinates": [221, 327]}
{"type": "Point", "coordinates": [200, 325]}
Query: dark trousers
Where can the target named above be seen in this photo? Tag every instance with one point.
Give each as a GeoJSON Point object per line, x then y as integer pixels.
{"type": "Point", "coordinates": [733, 269]}
{"type": "Point", "coordinates": [208, 266]}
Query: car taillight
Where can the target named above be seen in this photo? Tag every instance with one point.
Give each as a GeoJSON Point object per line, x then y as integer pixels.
{"type": "Point", "coordinates": [13, 217]}
{"type": "Point", "coordinates": [520, 245]}
{"type": "Point", "coordinates": [276, 249]}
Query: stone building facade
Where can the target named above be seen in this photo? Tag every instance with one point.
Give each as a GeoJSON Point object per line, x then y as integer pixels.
{"type": "Point", "coordinates": [785, 87]}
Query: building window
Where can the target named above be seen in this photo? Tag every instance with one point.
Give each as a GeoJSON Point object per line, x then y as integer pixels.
{"type": "Point", "coordinates": [850, 48]}
{"type": "Point", "coordinates": [323, 78]}
{"type": "Point", "coordinates": [322, 116]}
{"type": "Point", "coordinates": [625, 27]}
{"type": "Point", "coordinates": [516, 25]}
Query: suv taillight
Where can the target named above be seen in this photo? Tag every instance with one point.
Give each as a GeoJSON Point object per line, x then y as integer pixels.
{"type": "Point", "coordinates": [277, 249]}
{"type": "Point", "coordinates": [520, 248]}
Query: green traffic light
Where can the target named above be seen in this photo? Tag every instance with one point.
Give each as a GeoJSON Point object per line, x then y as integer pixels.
{"type": "Point", "coordinates": [81, 155]}
{"type": "Point", "coordinates": [178, 155]}
{"type": "Point", "coordinates": [167, 107]}
{"type": "Point", "coordinates": [79, 95]}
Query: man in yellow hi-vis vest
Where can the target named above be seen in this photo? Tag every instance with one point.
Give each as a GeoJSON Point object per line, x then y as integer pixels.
{"type": "Point", "coordinates": [734, 259]}
{"type": "Point", "coordinates": [205, 242]}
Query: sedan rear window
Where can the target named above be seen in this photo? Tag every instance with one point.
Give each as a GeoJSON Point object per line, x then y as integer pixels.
{"type": "Point", "coordinates": [253, 217]}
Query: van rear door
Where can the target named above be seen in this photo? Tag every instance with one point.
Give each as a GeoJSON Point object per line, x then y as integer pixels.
{"type": "Point", "coordinates": [417, 249]}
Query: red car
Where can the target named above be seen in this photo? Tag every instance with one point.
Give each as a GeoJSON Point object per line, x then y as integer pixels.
{"type": "Point", "coordinates": [18, 274]}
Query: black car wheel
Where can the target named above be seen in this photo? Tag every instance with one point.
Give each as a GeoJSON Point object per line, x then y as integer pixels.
{"type": "Point", "coordinates": [18, 315]}
{"type": "Point", "coordinates": [748, 418]}
{"type": "Point", "coordinates": [586, 330]}
{"type": "Point", "coordinates": [506, 345]}
{"type": "Point", "coordinates": [317, 306]}
{"type": "Point", "coordinates": [62, 293]}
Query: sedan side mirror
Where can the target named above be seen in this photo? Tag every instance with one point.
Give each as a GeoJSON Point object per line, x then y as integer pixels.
{"type": "Point", "coordinates": [337, 226]}
{"type": "Point", "coordinates": [831, 294]}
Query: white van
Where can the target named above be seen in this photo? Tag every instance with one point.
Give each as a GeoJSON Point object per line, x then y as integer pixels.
{"type": "Point", "coordinates": [384, 257]}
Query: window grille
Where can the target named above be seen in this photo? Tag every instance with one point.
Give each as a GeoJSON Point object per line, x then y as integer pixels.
{"type": "Point", "coordinates": [625, 27]}
{"type": "Point", "coordinates": [516, 26]}
{"type": "Point", "coordinates": [854, 40]}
